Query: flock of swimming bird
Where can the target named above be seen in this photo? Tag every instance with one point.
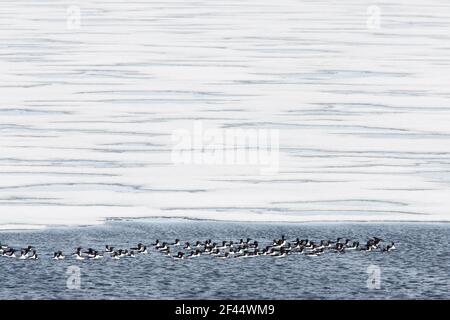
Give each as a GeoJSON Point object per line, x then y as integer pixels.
{"type": "Point", "coordinates": [227, 249]}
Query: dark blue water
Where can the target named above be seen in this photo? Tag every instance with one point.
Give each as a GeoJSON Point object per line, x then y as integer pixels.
{"type": "Point", "coordinates": [419, 268]}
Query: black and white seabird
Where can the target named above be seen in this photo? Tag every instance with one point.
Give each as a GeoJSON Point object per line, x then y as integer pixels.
{"type": "Point", "coordinates": [225, 256]}
{"type": "Point", "coordinates": [58, 255]}
{"type": "Point", "coordinates": [33, 255]}
{"type": "Point", "coordinates": [389, 247]}
{"type": "Point", "coordinates": [96, 256]}
{"type": "Point", "coordinates": [164, 247]}
{"type": "Point", "coordinates": [187, 246]}
{"type": "Point", "coordinates": [115, 255]}
{"type": "Point", "coordinates": [10, 253]}
{"type": "Point", "coordinates": [78, 254]}
{"type": "Point", "coordinates": [179, 256]}
{"type": "Point", "coordinates": [23, 254]}
{"type": "Point", "coordinates": [109, 249]}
